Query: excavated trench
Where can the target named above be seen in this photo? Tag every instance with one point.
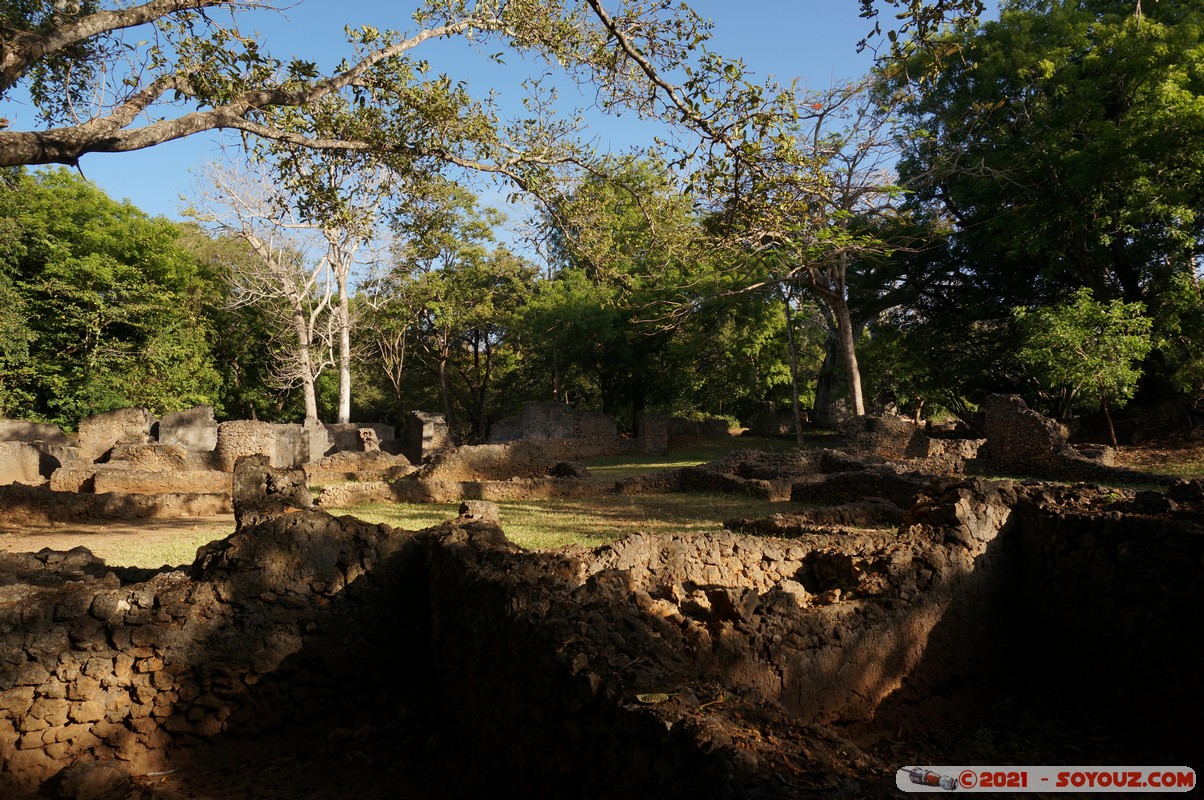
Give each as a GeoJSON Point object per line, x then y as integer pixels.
{"type": "Point", "coordinates": [312, 656]}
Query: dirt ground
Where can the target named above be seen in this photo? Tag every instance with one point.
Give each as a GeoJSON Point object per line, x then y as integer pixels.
{"type": "Point", "coordinates": [106, 539]}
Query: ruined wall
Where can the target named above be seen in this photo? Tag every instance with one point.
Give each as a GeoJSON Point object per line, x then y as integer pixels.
{"type": "Point", "coordinates": [285, 445]}
{"type": "Point", "coordinates": [359, 466]}
{"type": "Point", "coordinates": [483, 462]}
{"type": "Point", "coordinates": [99, 432]}
{"type": "Point", "coordinates": [19, 430]}
{"type": "Point", "coordinates": [126, 480]}
{"type": "Point", "coordinates": [98, 669]}
{"type": "Point", "coordinates": [424, 435]}
{"type": "Point", "coordinates": [345, 437]}
{"type": "Point", "coordinates": [39, 505]}
{"type": "Point", "coordinates": [428, 491]}
{"type": "Point", "coordinates": [1114, 581]}
{"type": "Point", "coordinates": [695, 429]}
{"type": "Point", "coordinates": [564, 432]}
{"type": "Point", "coordinates": [1022, 442]}
{"type": "Point", "coordinates": [194, 429]}
{"type": "Point", "coordinates": [20, 463]}
{"type": "Point", "coordinates": [896, 438]}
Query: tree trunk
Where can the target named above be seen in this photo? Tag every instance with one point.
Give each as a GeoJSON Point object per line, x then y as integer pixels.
{"type": "Point", "coordinates": [1111, 427]}
{"type": "Point", "coordinates": [344, 322]}
{"type": "Point", "coordinates": [825, 388]}
{"type": "Point", "coordinates": [305, 365]}
{"type": "Point", "coordinates": [798, 426]}
{"type": "Point", "coordinates": [848, 349]}
{"type": "Point", "coordinates": [444, 393]}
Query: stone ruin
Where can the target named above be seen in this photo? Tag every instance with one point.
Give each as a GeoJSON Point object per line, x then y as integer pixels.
{"type": "Point", "coordinates": [1022, 442]}
{"type": "Point", "coordinates": [181, 465]}
{"type": "Point", "coordinates": [518, 470]}
{"type": "Point", "coordinates": [126, 463]}
{"type": "Point", "coordinates": [568, 434]}
{"type": "Point", "coordinates": [696, 665]}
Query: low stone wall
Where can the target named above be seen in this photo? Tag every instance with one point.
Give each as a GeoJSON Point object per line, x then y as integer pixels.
{"type": "Point", "coordinates": [158, 457]}
{"type": "Point", "coordinates": [122, 479]}
{"type": "Point", "coordinates": [564, 432]}
{"type": "Point", "coordinates": [352, 466]}
{"type": "Point", "coordinates": [698, 429]}
{"type": "Point", "coordinates": [485, 462]}
{"type": "Point", "coordinates": [40, 505]}
{"type": "Point", "coordinates": [427, 491]}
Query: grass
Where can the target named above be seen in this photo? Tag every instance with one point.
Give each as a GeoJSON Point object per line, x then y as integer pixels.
{"type": "Point", "coordinates": [1183, 463]}
{"type": "Point", "coordinates": [592, 521]}
{"type": "Point", "coordinates": [158, 553]}
{"type": "Point", "coordinates": [627, 465]}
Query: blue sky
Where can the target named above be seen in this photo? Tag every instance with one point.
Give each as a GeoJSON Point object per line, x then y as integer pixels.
{"type": "Point", "coordinates": [813, 40]}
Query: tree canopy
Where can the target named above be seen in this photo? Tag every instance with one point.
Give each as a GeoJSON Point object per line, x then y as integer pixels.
{"type": "Point", "coordinates": [110, 306]}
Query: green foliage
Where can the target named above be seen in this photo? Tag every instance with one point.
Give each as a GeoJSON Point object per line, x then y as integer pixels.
{"type": "Point", "coordinates": [114, 308]}
{"type": "Point", "coordinates": [1064, 142]}
{"type": "Point", "coordinates": [1179, 333]}
{"type": "Point", "coordinates": [1087, 351]}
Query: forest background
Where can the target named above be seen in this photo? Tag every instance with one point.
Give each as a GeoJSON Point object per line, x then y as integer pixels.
{"type": "Point", "coordinates": [1009, 205]}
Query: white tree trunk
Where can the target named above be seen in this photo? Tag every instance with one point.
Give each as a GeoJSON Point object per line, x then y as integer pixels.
{"type": "Point", "coordinates": [344, 324]}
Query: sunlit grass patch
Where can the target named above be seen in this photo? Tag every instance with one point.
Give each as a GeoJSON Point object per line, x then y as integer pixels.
{"type": "Point", "coordinates": [626, 465]}
{"type": "Point", "coordinates": [592, 521]}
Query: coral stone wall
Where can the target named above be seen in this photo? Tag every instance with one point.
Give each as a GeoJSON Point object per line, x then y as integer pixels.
{"type": "Point", "coordinates": [520, 459]}
{"type": "Point", "coordinates": [99, 432]}
{"type": "Point", "coordinates": [20, 463]}
{"type": "Point", "coordinates": [99, 668]}
{"type": "Point", "coordinates": [194, 429]}
{"type": "Point", "coordinates": [562, 431]}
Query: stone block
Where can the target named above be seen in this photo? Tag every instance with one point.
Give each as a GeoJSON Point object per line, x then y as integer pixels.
{"type": "Point", "coordinates": [20, 462]}
{"type": "Point", "coordinates": [195, 429]}
{"type": "Point", "coordinates": [115, 478]}
{"type": "Point", "coordinates": [73, 477]}
{"type": "Point", "coordinates": [425, 434]}
{"type": "Point", "coordinates": [346, 436]}
{"type": "Point", "coordinates": [99, 432]}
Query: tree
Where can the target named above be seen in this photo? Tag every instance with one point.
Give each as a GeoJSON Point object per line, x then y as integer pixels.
{"type": "Point", "coordinates": [444, 240]}
{"type": "Point", "coordinates": [624, 244]}
{"type": "Point", "coordinates": [105, 307]}
{"type": "Point", "coordinates": [812, 201]}
{"type": "Point", "coordinates": [1088, 352]}
{"type": "Point", "coordinates": [296, 290]}
{"type": "Point", "coordinates": [346, 198]}
{"type": "Point", "coordinates": [1064, 144]}
{"type": "Point", "coordinates": [188, 72]}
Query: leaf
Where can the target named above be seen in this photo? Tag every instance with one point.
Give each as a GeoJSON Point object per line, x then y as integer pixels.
{"type": "Point", "coordinates": [653, 699]}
